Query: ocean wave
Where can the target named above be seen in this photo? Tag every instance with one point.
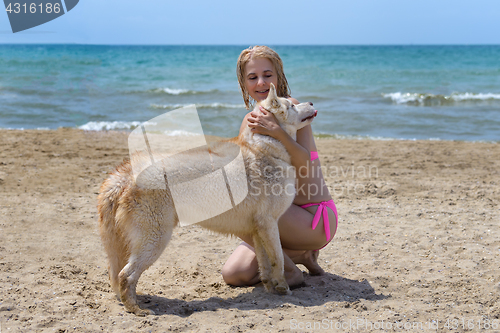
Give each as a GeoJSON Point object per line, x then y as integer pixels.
{"type": "Point", "coordinates": [110, 125]}
{"type": "Point", "coordinates": [123, 125]}
{"type": "Point", "coordinates": [200, 106]}
{"type": "Point", "coordinates": [180, 133]}
{"type": "Point", "coordinates": [320, 136]}
{"type": "Point", "coordinates": [23, 129]}
{"type": "Point", "coordinates": [173, 91]}
{"type": "Point", "coordinates": [325, 136]}
{"type": "Point", "coordinates": [436, 100]}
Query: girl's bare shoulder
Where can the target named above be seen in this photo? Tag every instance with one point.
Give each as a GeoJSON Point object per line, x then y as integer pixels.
{"type": "Point", "coordinates": [244, 123]}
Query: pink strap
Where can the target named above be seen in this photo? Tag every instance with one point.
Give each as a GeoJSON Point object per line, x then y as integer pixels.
{"type": "Point", "coordinates": [323, 209]}
{"type": "Point", "coordinates": [314, 155]}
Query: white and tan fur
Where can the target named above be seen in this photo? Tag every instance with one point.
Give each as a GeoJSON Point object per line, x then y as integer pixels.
{"type": "Point", "coordinates": [136, 223]}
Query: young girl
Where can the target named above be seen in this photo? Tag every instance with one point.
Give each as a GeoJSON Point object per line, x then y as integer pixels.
{"type": "Point", "coordinates": [311, 221]}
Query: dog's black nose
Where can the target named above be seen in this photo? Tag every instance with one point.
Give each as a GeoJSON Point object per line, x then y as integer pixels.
{"type": "Point", "coordinates": [310, 103]}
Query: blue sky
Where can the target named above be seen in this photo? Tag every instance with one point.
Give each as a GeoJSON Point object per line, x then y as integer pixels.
{"type": "Point", "coordinates": [269, 22]}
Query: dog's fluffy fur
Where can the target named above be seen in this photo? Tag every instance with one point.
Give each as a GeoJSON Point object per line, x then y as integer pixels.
{"type": "Point", "coordinates": [136, 223]}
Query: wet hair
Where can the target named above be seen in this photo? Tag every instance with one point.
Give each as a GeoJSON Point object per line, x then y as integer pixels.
{"type": "Point", "coordinates": [259, 51]}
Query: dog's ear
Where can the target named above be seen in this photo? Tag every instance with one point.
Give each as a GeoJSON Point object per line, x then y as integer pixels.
{"type": "Point", "coordinates": [273, 97]}
{"type": "Point", "coordinates": [273, 103]}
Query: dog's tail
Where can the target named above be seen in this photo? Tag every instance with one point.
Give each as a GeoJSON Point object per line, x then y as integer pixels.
{"type": "Point", "coordinates": [112, 237]}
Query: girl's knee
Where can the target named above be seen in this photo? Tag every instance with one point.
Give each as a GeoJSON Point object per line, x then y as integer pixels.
{"type": "Point", "coordinates": [228, 274]}
{"type": "Point", "coordinates": [237, 276]}
{"type": "Point", "coordinates": [232, 277]}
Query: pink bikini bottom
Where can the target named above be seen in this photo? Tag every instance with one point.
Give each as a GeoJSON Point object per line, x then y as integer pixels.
{"type": "Point", "coordinates": [322, 209]}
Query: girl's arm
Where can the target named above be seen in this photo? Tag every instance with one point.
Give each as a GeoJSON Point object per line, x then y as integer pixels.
{"type": "Point", "coordinates": [299, 150]}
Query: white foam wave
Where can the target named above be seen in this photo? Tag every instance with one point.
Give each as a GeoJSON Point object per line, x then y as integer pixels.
{"type": "Point", "coordinates": [111, 125]}
{"type": "Point", "coordinates": [123, 125]}
{"type": "Point", "coordinates": [401, 98]}
{"type": "Point", "coordinates": [431, 99]}
{"type": "Point", "coordinates": [180, 91]}
{"type": "Point", "coordinates": [180, 133]}
{"type": "Point", "coordinates": [22, 128]}
{"type": "Point", "coordinates": [171, 91]}
{"type": "Point", "coordinates": [319, 135]}
{"type": "Point", "coordinates": [470, 96]}
{"type": "Point", "coordinates": [200, 106]}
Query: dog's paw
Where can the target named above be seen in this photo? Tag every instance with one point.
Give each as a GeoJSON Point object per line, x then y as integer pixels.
{"type": "Point", "coordinates": [268, 285]}
{"type": "Point", "coordinates": [283, 290]}
{"type": "Point", "coordinates": [144, 312]}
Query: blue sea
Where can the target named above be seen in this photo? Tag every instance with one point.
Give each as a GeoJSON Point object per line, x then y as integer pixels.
{"type": "Point", "coordinates": [372, 92]}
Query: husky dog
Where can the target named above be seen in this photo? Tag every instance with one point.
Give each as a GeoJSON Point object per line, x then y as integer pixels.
{"type": "Point", "coordinates": [136, 222]}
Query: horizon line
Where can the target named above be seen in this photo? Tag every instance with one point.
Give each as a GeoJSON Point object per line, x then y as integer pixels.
{"type": "Point", "coordinates": [270, 44]}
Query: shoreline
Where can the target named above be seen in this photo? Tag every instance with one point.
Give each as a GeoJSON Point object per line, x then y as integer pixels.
{"type": "Point", "coordinates": [417, 242]}
{"type": "Point", "coordinates": [319, 136]}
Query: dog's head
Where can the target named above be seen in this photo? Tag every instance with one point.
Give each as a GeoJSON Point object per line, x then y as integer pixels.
{"type": "Point", "coordinates": [290, 117]}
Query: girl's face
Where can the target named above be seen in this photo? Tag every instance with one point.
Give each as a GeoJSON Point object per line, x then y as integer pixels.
{"type": "Point", "coordinates": [260, 73]}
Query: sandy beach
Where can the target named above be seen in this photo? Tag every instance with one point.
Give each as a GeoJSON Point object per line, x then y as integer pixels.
{"type": "Point", "coordinates": [417, 247]}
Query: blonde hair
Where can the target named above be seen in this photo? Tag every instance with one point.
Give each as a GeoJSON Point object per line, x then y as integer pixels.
{"type": "Point", "coordinates": [260, 51]}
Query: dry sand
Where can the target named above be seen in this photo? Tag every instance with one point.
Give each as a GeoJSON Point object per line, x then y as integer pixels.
{"type": "Point", "coordinates": [417, 245]}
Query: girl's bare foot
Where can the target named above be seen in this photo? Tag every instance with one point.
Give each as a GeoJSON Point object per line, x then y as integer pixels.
{"type": "Point", "coordinates": [294, 277]}
{"type": "Point", "coordinates": [293, 274]}
{"type": "Point", "coordinates": [310, 260]}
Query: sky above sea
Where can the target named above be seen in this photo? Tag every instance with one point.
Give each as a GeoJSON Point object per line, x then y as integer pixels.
{"type": "Point", "coordinates": [291, 22]}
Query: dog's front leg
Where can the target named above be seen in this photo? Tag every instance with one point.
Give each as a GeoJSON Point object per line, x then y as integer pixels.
{"type": "Point", "coordinates": [270, 255]}
{"type": "Point", "coordinates": [264, 262]}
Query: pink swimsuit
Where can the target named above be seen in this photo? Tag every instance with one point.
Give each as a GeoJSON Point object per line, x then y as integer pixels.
{"type": "Point", "coordinates": [322, 209]}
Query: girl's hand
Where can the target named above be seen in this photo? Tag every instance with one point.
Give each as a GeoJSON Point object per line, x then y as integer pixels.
{"type": "Point", "coordinates": [264, 123]}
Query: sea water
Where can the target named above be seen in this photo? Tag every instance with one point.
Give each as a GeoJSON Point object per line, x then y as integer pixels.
{"type": "Point", "coordinates": [378, 92]}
